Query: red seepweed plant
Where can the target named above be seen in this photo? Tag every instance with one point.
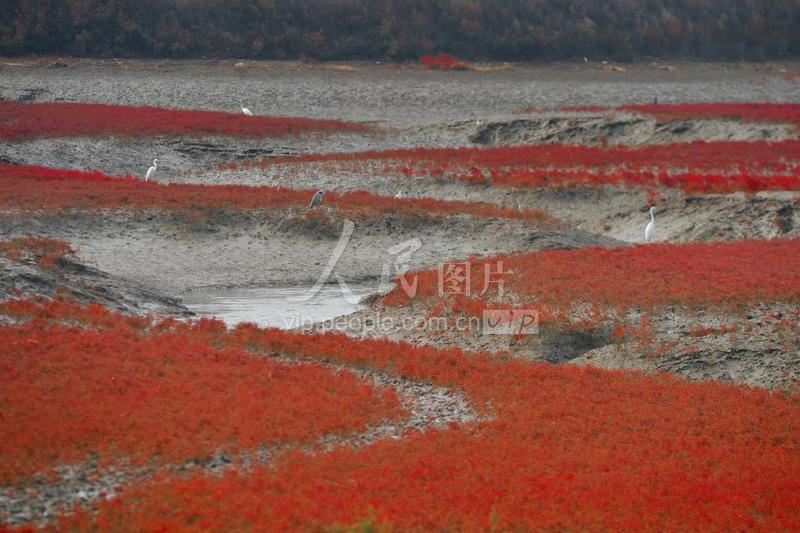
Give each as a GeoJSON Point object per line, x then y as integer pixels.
{"type": "Point", "coordinates": [768, 112]}
{"type": "Point", "coordinates": [559, 447]}
{"type": "Point", "coordinates": [41, 188]}
{"type": "Point", "coordinates": [729, 274]}
{"type": "Point", "coordinates": [760, 112]}
{"type": "Point", "coordinates": [443, 61]}
{"type": "Point", "coordinates": [44, 251]}
{"type": "Point", "coordinates": [63, 119]}
{"type": "Point", "coordinates": [80, 381]}
{"type": "Point", "coordinates": [696, 167]}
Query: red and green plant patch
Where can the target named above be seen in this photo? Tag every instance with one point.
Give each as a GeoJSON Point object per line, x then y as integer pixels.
{"type": "Point", "coordinates": [131, 390]}
{"type": "Point", "coordinates": [63, 119]}
{"type": "Point", "coordinates": [41, 188]}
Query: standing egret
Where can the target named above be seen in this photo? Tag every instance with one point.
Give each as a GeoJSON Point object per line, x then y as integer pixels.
{"type": "Point", "coordinates": [317, 198]}
{"type": "Point", "coordinates": [151, 171]}
{"type": "Point", "coordinates": [245, 111]}
{"type": "Point", "coordinates": [651, 227]}
{"type": "Point", "coordinates": [399, 195]}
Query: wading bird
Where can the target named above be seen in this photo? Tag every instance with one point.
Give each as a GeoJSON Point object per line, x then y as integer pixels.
{"type": "Point", "coordinates": [651, 226]}
{"type": "Point", "coordinates": [151, 171]}
{"type": "Point", "coordinates": [245, 111]}
{"type": "Point", "coordinates": [317, 198]}
{"type": "Point", "coordinates": [399, 195]}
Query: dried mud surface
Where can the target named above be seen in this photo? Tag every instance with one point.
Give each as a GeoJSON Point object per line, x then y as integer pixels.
{"type": "Point", "coordinates": [176, 253]}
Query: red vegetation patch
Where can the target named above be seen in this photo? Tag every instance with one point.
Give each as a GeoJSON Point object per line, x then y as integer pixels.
{"type": "Point", "coordinates": [128, 389]}
{"type": "Point", "coordinates": [443, 61]}
{"type": "Point", "coordinates": [730, 274]}
{"type": "Point", "coordinates": [697, 167]}
{"type": "Point", "coordinates": [574, 108]}
{"type": "Point", "coordinates": [62, 119]}
{"type": "Point", "coordinates": [746, 112]}
{"type": "Point", "coordinates": [762, 156]}
{"type": "Point", "coordinates": [689, 182]}
{"type": "Point", "coordinates": [767, 112]}
{"type": "Point", "coordinates": [44, 251]}
{"type": "Point", "coordinates": [568, 448]}
{"type": "Point", "coordinates": [48, 189]}
{"type": "Point", "coordinates": [705, 331]}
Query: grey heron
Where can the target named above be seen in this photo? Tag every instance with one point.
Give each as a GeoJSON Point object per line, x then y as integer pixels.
{"type": "Point", "coordinates": [317, 198]}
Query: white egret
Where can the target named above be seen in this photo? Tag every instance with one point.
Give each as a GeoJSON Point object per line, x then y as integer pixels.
{"type": "Point", "coordinates": [317, 198]}
{"type": "Point", "coordinates": [245, 111]}
{"type": "Point", "coordinates": [399, 195]}
{"type": "Point", "coordinates": [151, 171]}
{"type": "Point", "coordinates": [651, 226]}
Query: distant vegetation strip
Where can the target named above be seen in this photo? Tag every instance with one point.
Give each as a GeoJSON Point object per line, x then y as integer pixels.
{"type": "Point", "coordinates": [65, 119]}
{"type": "Point", "coordinates": [763, 156]}
{"type": "Point", "coordinates": [768, 112]}
{"type": "Point", "coordinates": [48, 189]}
{"type": "Point", "coordinates": [694, 167]}
{"type": "Point", "coordinates": [778, 113]}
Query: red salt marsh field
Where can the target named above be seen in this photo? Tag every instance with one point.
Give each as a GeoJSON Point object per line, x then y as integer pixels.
{"type": "Point", "coordinates": [731, 274]}
{"type": "Point", "coordinates": [143, 421]}
{"type": "Point", "coordinates": [697, 167]}
{"type": "Point", "coordinates": [755, 112]}
{"type": "Point", "coordinates": [46, 189]}
{"type": "Point", "coordinates": [558, 447]}
{"type": "Point", "coordinates": [63, 119]}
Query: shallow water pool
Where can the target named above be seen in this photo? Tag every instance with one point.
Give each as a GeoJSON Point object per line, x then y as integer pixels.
{"type": "Point", "coordinates": [277, 307]}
